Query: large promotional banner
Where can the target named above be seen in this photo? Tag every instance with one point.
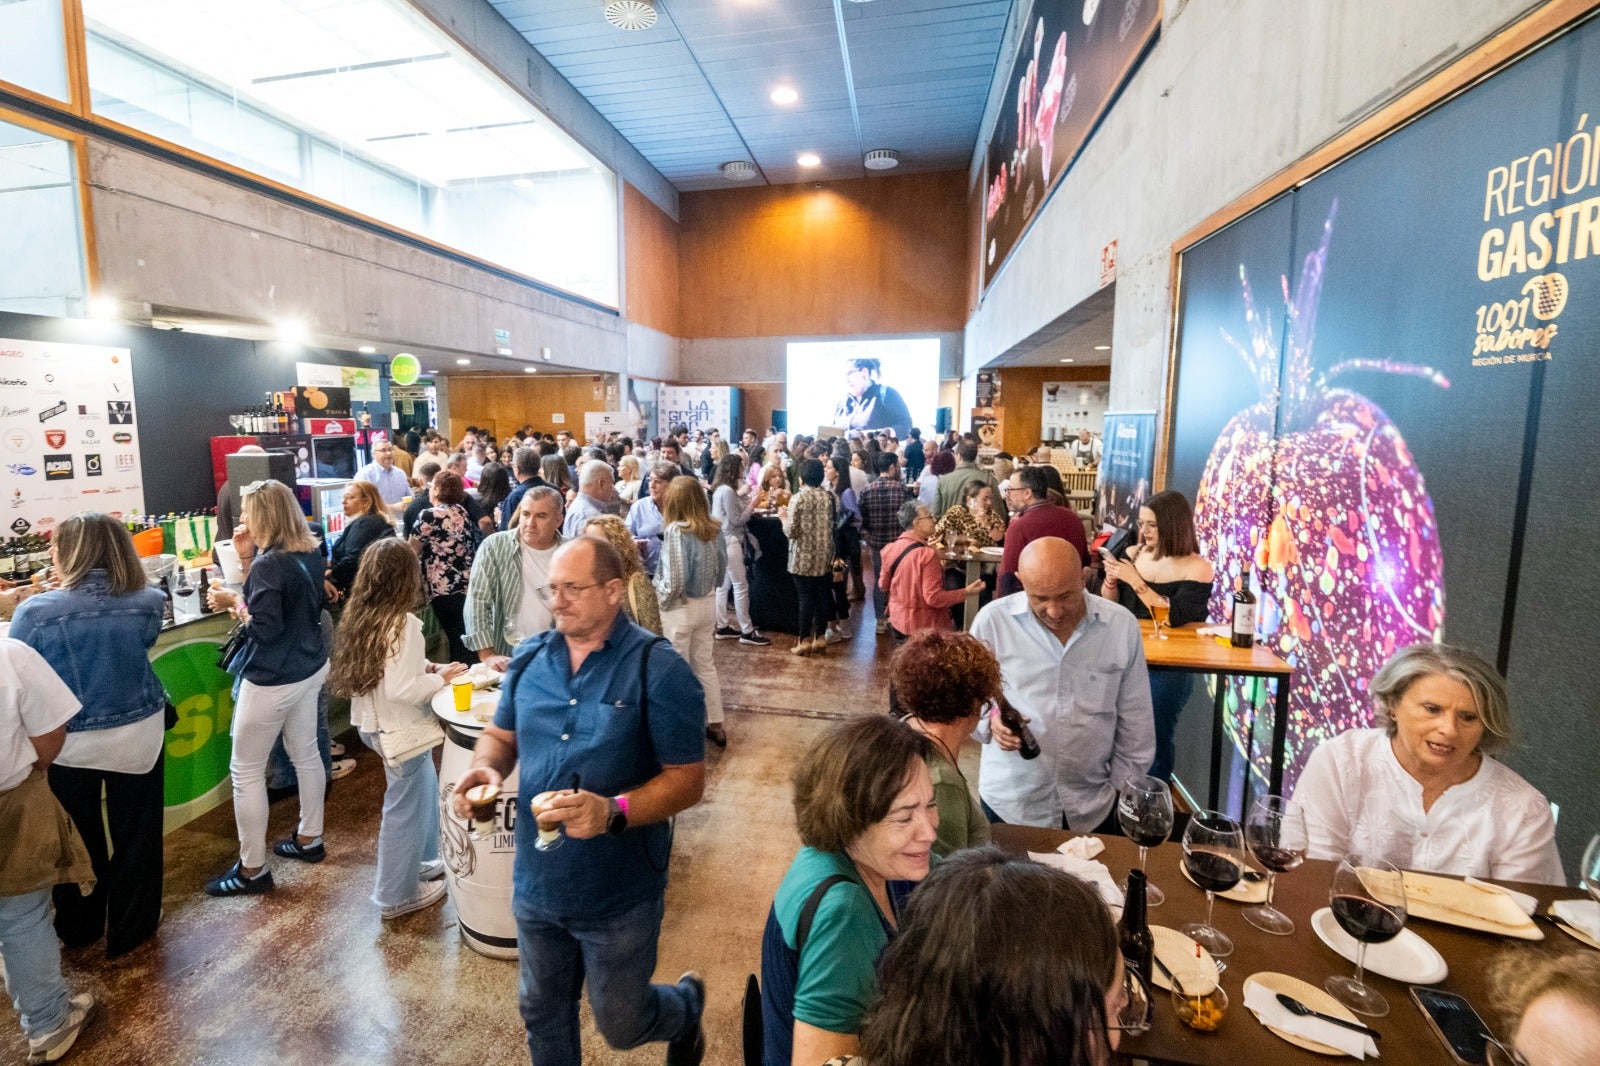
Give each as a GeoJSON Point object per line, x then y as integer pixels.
{"type": "Point", "coordinates": [1385, 401]}
{"type": "Point", "coordinates": [67, 433]}
{"type": "Point", "coordinates": [1074, 58]}
{"type": "Point", "coordinates": [1127, 463]}
{"type": "Point", "coordinates": [704, 407]}
{"type": "Point", "coordinates": [864, 384]}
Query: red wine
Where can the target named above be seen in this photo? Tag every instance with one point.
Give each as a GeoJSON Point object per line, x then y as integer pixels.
{"type": "Point", "coordinates": [1279, 860]}
{"type": "Point", "coordinates": [1366, 920]}
{"type": "Point", "coordinates": [1212, 870]}
{"type": "Point", "coordinates": [1144, 838]}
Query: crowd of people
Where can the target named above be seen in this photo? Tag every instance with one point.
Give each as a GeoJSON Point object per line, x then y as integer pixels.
{"type": "Point", "coordinates": [596, 579]}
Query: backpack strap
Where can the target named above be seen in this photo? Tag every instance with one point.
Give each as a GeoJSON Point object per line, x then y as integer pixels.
{"type": "Point", "coordinates": [902, 558]}
{"type": "Point", "coordinates": [808, 913]}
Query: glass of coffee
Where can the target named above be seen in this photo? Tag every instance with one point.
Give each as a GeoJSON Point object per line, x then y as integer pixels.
{"type": "Point", "coordinates": [485, 801]}
{"type": "Point", "coordinates": [549, 839]}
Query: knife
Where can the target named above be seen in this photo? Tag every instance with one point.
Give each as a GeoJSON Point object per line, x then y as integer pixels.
{"type": "Point", "coordinates": [1168, 974]}
{"type": "Point", "coordinates": [1294, 1006]}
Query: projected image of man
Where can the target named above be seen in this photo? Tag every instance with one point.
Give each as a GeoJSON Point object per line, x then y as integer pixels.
{"type": "Point", "coordinates": [871, 405]}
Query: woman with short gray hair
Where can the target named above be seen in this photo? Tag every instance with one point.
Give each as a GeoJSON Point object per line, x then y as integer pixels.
{"type": "Point", "coordinates": [1421, 788]}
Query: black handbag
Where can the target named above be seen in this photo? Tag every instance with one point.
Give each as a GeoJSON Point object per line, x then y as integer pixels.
{"type": "Point", "coordinates": [231, 654]}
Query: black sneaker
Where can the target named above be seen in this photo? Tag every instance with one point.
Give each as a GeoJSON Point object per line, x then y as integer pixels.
{"type": "Point", "coordinates": [726, 633]}
{"type": "Point", "coordinates": [235, 883]}
{"type": "Point", "coordinates": [753, 637]}
{"type": "Point", "coordinates": [689, 1048]}
{"type": "Point", "coordinates": [293, 849]}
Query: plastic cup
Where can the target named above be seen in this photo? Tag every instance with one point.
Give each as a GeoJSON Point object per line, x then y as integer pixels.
{"type": "Point", "coordinates": [461, 691]}
{"type": "Point", "coordinates": [485, 800]}
{"type": "Point", "coordinates": [548, 838]}
{"type": "Point", "coordinates": [228, 556]}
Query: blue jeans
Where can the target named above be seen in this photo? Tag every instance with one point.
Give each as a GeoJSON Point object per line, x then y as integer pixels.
{"type": "Point", "coordinates": [880, 595]}
{"type": "Point", "coordinates": [280, 771]}
{"type": "Point", "coordinates": [408, 836]}
{"type": "Point", "coordinates": [616, 955]}
{"type": "Point", "coordinates": [1169, 691]}
{"type": "Point", "coordinates": [33, 962]}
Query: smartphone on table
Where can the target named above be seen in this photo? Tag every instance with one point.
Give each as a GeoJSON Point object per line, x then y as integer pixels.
{"type": "Point", "coordinates": [1453, 1021]}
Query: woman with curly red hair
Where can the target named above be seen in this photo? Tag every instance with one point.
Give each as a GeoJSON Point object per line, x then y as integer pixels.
{"type": "Point", "coordinates": [942, 682]}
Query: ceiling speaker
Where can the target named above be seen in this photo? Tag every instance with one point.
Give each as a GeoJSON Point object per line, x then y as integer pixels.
{"type": "Point", "coordinates": [881, 159]}
{"type": "Point", "coordinates": [738, 170]}
{"type": "Point", "coordinates": [631, 14]}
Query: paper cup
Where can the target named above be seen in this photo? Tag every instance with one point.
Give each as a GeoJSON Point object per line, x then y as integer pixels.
{"type": "Point", "coordinates": [228, 556]}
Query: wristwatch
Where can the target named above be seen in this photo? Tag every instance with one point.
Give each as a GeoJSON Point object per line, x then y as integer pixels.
{"type": "Point", "coordinates": [617, 820]}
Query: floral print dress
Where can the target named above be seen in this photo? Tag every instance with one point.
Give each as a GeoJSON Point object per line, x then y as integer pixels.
{"type": "Point", "coordinates": [444, 536]}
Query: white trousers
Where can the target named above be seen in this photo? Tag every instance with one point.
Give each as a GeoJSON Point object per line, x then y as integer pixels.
{"type": "Point", "coordinates": [261, 713]}
{"type": "Point", "coordinates": [737, 582]}
{"type": "Point", "coordinates": [692, 627]}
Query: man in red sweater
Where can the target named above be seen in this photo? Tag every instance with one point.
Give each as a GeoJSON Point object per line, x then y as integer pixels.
{"type": "Point", "coordinates": [1033, 516]}
{"type": "Point", "coordinates": [917, 596]}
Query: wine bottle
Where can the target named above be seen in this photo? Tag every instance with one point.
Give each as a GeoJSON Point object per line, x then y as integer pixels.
{"type": "Point", "coordinates": [1244, 610]}
{"type": "Point", "coordinates": [1013, 721]}
{"type": "Point", "coordinates": [1138, 946]}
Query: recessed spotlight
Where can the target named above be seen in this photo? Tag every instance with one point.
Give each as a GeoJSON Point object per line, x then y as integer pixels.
{"type": "Point", "coordinates": [1066, 360]}
{"type": "Point", "coordinates": [366, 349]}
{"type": "Point", "coordinates": [1102, 347]}
{"type": "Point", "coordinates": [463, 362]}
{"type": "Point", "coordinates": [785, 95]}
{"type": "Point", "coordinates": [522, 183]}
{"type": "Point", "coordinates": [530, 370]}
{"type": "Point", "coordinates": [291, 331]}
{"type": "Point", "coordinates": [104, 307]}
{"type": "Point", "coordinates": [809, 159]}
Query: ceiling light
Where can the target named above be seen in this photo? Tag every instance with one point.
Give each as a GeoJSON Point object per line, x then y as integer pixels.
{"type": "Point", "coordinates": [1102, 347]}
{"type": "Point", "coordinates": [809, 159]}
{"type": "Point", "coordinates": [105, 307]}
{"type": "Point", "coordinates": [209, 329]}
{"type": "Point", "coordinates": [530, 370]}
{"type": "Point", "coordinates": [366, 349]}
{"type": "Point", "coordinates": [463, 362]}
{"type": "Point", "coordinates": [291, 331]}
{"type": "Point", "coordinates": [1066, 360]}
{"type": "Point", "coordinates": [522, 183]}
{"type": "Point", "coordinates": [738, 170]}
{"type": "Point", "coordinates": [881, 159]}
{"type": "Point", "coordinates": [631, 14]}
{"type": "Point", "coordinates": [785, 95]}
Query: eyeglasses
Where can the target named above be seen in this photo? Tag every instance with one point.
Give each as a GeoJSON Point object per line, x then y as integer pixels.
{"type": "Point", "coordinates": [565, 591]}
{"type": "Point", "coordinates": [1500, 1055]}
{"type": "Point", "coordinates": [1133, 1016]}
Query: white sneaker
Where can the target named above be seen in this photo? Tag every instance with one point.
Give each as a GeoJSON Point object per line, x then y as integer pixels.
{"type": "Point", "coordinates": [52, 1046]}
{"type": "Point", "coordinates": [342, 768]}
{"type": "Point", "coordinates": [430, 892]}
{"type": "Point", "coordinates": [432, 871]}
{"type": "Point", "coordinates": [336, 750]}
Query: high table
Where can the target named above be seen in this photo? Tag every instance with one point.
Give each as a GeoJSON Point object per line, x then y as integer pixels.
{"type": "Point", "coordinates": [973, 563]}
{"type": "Point", "coordinates": [1406, 1039]}
{"type": "Point", "coordinates": [1187, 651]}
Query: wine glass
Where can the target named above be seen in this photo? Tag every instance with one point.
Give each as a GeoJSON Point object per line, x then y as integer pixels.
{"type": "Point", "coordinates": [1144, 811]}
{"type": "Point", "coordinates": [1589, 875]}
{"type": "Point", "coordinates": [1368, 898]}
{"type": "Point", "coordinates": [1213, 854]}
{"type": "Point", "coordinates": [1275, 832]}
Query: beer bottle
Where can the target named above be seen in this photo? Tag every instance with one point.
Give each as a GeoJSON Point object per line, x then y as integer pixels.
{"type": "Point", "coordinates": [1244, 610]}
{"type": "Point", "coordinates": [1013, 721]}
{"type": "Point", "coordinates": [1138, 946]}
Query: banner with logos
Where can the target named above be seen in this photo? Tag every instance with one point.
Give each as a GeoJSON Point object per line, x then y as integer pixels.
{"type": "Point", "coordinates": [68, 434]}
{"type": "Point", "coordinates": [704, 407]}
{"type": "Point", "coordinates": [1127, 464]}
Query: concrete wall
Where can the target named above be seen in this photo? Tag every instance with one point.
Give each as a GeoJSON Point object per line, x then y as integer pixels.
{"type": "Point", "coordinates": [1233, 91]}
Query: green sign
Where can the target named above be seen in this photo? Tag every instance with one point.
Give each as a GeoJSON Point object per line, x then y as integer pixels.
{"type": "Point", "coordinates": [198, 748]}
{"type": "Point", "coordinates": [404, 369]}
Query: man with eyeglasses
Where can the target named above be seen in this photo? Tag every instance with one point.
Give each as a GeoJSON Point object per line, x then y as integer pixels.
{"type": "Point", "coordinates": [1033, 517]}
{"type": "Point", "coordinates": [508, 598]}
{"type": "Point", "coordinates": [611, 718]}
{"type": "Point", "coordinates": [644, 517]}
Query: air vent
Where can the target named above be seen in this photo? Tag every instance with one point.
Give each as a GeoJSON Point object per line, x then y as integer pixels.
{"type": "Point", "coordinates": [738, 170]}
{"type": "Point", "coordinates": [631, 14]}
{"type": "Point", "coordinates": [882, 158]}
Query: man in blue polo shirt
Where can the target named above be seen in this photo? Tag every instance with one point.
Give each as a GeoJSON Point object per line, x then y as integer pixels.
{"type": "Point", "coordinates": [613, 720]}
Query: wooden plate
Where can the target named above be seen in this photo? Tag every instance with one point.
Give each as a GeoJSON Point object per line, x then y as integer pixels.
{"type": "Point", "coordinates": [1456, 902]}
{"type": "Point", "coordinates": [1577, 934]}
{"type": "Point", "coordinates": [1197, 974]}
{"type": "Point", "coordinates": [1243, 892]}
{"type": "Point", "coordinates": [1311, 996]}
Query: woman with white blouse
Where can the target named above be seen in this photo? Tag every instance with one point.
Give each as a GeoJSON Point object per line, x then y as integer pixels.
{"type": "Point", "coordinates": [1422, 790]}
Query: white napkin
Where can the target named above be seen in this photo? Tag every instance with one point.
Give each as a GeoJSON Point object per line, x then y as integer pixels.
{"type": "Point", "coordinates": [1522, 899]}
{"type": "Point", "coordinates": [1095, 873]}
{"type": "Point", "coordinates": [1582, 914]}
{"type": "Point", "coordinates": [1082, 847]}
{"type": "Point", "coordinates": [1214, 631]}
{"type": "Point", "coordinates": [1264, 1003]}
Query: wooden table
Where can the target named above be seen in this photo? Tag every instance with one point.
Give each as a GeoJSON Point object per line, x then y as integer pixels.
{"type": "Point", "coordinates": [973, 562]}
{"type": "Point", "coordinates": [1242, 1041]}
{"type": "Point", "coordinates": [1186, 650]}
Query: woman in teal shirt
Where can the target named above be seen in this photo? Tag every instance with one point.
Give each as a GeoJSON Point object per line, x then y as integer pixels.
{"type": "Point", "coordinates": [864, 806]}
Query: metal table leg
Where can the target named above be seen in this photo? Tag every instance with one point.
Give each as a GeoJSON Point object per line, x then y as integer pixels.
{"type": "Point", "coordinates": [1280, 735]}
{"type": "Point", "coordinates": [1214, 792]}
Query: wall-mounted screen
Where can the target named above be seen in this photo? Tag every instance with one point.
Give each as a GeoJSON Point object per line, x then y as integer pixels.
{"type": "Point", "coordinates": [866, 385]}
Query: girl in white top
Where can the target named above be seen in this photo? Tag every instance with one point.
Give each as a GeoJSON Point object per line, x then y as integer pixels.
{"type": "Point", "coordinates": [1421, 790]}
{"type": "Point", "coordinates": [379, 663]}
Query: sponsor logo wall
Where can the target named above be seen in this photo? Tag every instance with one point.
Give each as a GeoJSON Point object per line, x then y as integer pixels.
{"type": "Point", "coordinates": [56, 401]}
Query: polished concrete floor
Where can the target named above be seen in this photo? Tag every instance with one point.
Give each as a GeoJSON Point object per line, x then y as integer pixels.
{"type": "Point", "coordinates": [310, 974]}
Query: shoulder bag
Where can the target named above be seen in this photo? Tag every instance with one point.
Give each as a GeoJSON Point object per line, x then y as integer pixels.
{"type": "Point", "coordinates": [400, 742]}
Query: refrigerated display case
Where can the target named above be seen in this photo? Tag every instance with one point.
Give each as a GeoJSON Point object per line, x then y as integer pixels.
{"type": "Point", "coordinates": [322, 499]}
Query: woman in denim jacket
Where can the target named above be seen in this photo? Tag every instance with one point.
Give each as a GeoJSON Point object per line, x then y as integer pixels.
{"type": "Point", "coordinates": [96, 632]}
{"type": "Point", "coordinates": [694, 560]}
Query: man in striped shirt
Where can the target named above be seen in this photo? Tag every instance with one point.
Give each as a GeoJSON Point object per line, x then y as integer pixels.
{"type": "Point", "coordinates": [508, 599]}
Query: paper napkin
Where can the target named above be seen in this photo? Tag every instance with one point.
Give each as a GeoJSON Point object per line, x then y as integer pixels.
{"type": "Point", "coordinates": [1264, 1003]}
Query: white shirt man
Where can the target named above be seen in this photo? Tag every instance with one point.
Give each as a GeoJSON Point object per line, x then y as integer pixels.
{"type": "Point", "coordinates": [392, 483]}
{"type": "Point", "coordinates": [1073, 665]}
{"type": "Point", "coordinates": [508, 597]}
{"type": "Point", "coordinates": [594, 497]}
{"type": "Point", "coordinates": [1086, 449]}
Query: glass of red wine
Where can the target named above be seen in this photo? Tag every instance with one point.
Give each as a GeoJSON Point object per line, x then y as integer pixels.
{"type": "Point", "coordinates": [1275, 832]}
{"type": "Point", "coordinates": [1144, 811]}
{"type": "Point", "coordinates": [1368, 897]}
{"type": "Point", "coordinates": [1213, 855]}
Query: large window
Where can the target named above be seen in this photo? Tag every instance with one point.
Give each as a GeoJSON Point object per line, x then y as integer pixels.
{"type": "Point", "coordinates": [41, 254]}
{"type": "Point", "coordinates": [365, 104]}
{"type": "Point", "coordinates": [33, 46]}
